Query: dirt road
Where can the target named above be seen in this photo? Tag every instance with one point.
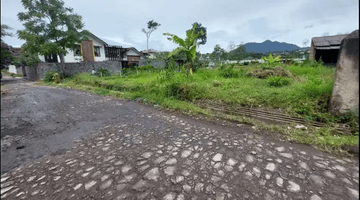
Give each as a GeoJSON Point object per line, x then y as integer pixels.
{"type": "Point", "coordinates": [130, 151]}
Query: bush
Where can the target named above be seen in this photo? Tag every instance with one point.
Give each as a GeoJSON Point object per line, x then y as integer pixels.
{"type": "Point", "coordinates": [49, 75]}
{"type": "Point", "coordinates": [184, 92]}
{"type": "Point", "coordinates": [102, 72]}
{"type": "Point", "coordinates": [164, 75]}
{"type": "Point", "coordinates": [278, 81]}
{"type": "Point", "coordinates": [229, 73]}
{"type": "Point", "coordinates": [312, 63]}
{"type": "Point", "coordinates": [15, 75]}
{"type": "Point", "coordinates": [313, 89]}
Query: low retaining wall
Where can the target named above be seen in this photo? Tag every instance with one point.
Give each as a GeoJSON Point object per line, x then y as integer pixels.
{"type": "Point", "coordinates": [36, 72]}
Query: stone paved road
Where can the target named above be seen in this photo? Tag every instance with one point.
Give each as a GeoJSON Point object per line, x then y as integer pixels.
{"type": "Point", "coordinates": [151, 154]}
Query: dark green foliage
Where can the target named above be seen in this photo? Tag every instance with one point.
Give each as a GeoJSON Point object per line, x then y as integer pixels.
{"type": "Point", "coordinates": [6, 57]}
{"type": "Point", "coordinates": [278, 81]}
{"type": "Point", "coordinates": [230, 72]}
{"type": "Point", "coordinates": [218, 55]}
{"type": "Point", "coordinates": [50, 28]}
{"type": "Point", "coordinates": [198, 64]}
{"type": "Point", "coordinates": [49, 75]}
{"type": "Point", "coordinates": [102, 72]}
{"type": "Point", "coordinates": [200, 29]}
{"type": "Point", "coordinates": [4, 32]}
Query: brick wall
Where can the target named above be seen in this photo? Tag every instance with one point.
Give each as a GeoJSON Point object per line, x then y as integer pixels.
{"type": "Point", "coordinates": [36, 72]}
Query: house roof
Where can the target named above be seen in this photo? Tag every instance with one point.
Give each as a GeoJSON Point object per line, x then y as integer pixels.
{"type": "Point", "coordinates": [133, 48]}
{"type": "Point", "coordinates": [94, 36]}
{"type": "Point", "coordinates": [16, 52]}
{"type": "Point", "coordinates": [326, 41]}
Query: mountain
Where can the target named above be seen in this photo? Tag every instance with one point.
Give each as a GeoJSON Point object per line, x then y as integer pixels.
{"type": "Point", "coordinates": [269, 46]}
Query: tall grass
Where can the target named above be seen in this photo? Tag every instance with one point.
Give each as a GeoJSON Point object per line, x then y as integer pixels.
{"type": "Point", "coordinates": [305, 92]}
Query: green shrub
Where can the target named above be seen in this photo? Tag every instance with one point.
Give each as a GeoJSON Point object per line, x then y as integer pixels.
{"type": "Point", "coordinates": [102, 72]}
{"type": "Point", "coordinates": [316, 87]}
{"type": "Point", "coordinates": [56, 77]}
{"type": "Point", "coordinates": [278, 81]}
{"type": "Point", "coordinates": [312, 63]}
{"type": "Point", "coordinates": [229, 73]}
{"type": "Point", "coordinates": [184, 92]}
{"type": "Point", "coordinates": [164, 75]}
{"type": "Point", "coordinates": [49, 75]}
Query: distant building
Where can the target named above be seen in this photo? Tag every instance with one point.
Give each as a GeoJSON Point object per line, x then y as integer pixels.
{"type": "Point", "coordinates": [326, 48]}
{"type": "Point", "coordinates": [150, 53]}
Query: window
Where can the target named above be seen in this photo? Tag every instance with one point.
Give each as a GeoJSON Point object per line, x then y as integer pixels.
{"type": "Point", "coordinates": [77, 51]}
{"type": "Point", "coordinates": [97, 51]}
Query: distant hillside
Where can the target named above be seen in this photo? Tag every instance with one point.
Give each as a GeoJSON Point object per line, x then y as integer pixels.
{"type": "Point", "coordinates": [269, 46]}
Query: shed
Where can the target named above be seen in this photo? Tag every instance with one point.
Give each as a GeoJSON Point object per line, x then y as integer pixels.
{"type": "Point", "coordinates": [327, 48]}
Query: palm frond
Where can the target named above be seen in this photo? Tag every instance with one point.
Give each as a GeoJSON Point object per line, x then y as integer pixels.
{"type": "Point", "coordinates": [177, 51]}
{"type": "Point", "coordinates": [176, 39]}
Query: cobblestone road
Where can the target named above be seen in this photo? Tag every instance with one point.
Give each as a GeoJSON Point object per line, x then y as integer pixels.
{"type": "Point", "coordinates": [159, 156]}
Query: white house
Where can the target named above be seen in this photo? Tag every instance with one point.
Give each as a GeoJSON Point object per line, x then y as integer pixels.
{"type": "Point", "coordinates": [98, 47]}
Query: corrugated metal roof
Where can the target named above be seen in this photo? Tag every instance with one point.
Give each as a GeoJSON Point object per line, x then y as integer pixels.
{"type": "Point", "coordinates": [324, 41]}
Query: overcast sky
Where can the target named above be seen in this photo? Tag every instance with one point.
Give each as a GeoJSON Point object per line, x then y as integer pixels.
{"type": "Point", "coordinates": [120, 22]}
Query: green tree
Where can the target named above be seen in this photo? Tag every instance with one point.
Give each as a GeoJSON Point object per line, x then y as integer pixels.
{"type": "Point", "coordinates": [187, 46]}
{"type": "Point", "coordinates": [152, 26]}
{"type": "Point", "coordinates": [202, 30]}
{"type": "Point", "coordinates": [50, 28]}
{"type": "Point", "coordinates": [6, 57]}
{"type": "Point", "coordinates": [218, 55]}
{"type": "Point", "coordinates": [4, 32]}
{"type": "Point", "coordinates": [238, 53]}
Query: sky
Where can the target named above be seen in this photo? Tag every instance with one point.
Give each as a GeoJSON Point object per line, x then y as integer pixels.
{"type": "Point", "coordinates": [238, 21]}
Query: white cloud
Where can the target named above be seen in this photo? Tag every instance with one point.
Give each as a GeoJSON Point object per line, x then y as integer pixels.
{"type": "Point", "coordinates": [233, 20]}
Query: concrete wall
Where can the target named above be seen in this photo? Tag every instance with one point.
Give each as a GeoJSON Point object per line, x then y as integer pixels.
{"type": "Point", "coordinates": [36, 72]}
{"type": "Point", "coordinates": [345, 96]}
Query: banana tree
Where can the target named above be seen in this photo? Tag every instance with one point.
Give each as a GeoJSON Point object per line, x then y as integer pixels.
{"type": "Point", "coordinates": [270, 59]}
{"type": "Point", "coordinates": [187, 46]}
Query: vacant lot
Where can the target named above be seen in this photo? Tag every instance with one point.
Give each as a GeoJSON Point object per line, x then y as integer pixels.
{"type": "Point", "coordinates": [301, 90]}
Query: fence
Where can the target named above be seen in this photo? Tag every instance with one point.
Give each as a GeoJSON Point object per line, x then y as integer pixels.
{"type": "Point", "coordinates": [114, 53]}
{"type": "Point", "coordinates": [36, 72]}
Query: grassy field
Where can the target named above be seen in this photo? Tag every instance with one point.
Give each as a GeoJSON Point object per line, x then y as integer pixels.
{"type": "Point", "coordinates": [301, 90]}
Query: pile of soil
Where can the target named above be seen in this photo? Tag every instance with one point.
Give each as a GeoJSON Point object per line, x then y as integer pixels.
{"type": "Point", "coordinates": [265, 73]}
